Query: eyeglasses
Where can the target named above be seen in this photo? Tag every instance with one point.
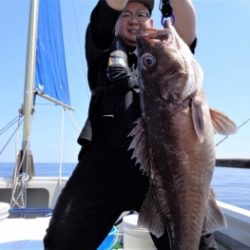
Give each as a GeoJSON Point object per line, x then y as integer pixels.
{"type": "Point", "coordinates": [140, 16]}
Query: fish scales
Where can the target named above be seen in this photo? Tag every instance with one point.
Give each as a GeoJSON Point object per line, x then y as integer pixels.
{"type": "Point", "coordinates": [180, 173]}
{"type": "Point", "coordinates": [178, 151]}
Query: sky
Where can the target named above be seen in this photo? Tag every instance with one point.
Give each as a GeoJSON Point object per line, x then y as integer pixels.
{"type": "Point", "coordinates": [223, 52]}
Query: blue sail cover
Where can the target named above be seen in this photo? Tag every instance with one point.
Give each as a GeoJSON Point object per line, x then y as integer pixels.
{"type": "Point", "coordinates": [51, 73]}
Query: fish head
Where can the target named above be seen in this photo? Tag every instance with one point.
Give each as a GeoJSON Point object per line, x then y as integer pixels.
{"type": "Point", "coordinates": [166, 66]}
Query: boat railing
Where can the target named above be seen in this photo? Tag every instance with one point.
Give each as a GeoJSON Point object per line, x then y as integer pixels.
{"type": "Point", "coordinates": [236, 234]}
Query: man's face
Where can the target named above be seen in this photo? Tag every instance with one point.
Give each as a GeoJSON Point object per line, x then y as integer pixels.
{"type": "Point", "coordinates": [134, 17]}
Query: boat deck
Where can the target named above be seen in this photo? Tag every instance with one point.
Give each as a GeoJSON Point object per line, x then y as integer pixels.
{"type": "Point", "coordinates": [28, 233]}
{"type": "Point", "coordinates": [22, 234]}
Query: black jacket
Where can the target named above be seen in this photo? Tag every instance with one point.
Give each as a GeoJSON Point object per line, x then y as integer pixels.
{"type": "Point", "coordinates": [114, 107]}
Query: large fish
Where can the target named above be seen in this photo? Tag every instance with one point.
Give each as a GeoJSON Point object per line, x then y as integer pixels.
{"type": "Point", "coordinates": [173, 141]}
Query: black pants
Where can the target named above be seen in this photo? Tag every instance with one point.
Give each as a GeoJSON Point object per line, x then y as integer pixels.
{"type": "Point", "coordinates": [104, 184]}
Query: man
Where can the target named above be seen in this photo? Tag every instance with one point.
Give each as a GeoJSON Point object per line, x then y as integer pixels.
{"type": "Point", "coordinates": [106, 181]}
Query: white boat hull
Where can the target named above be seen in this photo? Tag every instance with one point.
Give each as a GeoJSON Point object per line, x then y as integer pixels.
{"type": "Point", "coordinates": [41, 191]}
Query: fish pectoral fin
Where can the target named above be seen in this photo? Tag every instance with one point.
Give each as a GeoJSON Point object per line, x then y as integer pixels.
{"type": "Point", "coordinates": [139, 145]}
{"type": "Point", "coordinates": [222, 123]}
{"type": "Point", "coordinates": [198, 120]}
{"type": "Point", "coordinates": [191, 83]}
{"type": "Point", "coordinates": [149, 216]}
{"type": "Point", "coordinates": [214, 219]}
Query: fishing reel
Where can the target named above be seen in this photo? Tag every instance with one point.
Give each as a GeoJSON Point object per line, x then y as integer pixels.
{"type": "Point", "coordinates": [166, 11]}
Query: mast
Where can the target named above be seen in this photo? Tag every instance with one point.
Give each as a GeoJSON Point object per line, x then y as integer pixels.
{"type": "Point", "coordinates": [25, 157]}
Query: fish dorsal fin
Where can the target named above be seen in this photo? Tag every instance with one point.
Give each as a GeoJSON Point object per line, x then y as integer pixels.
{"type": "Point", "coordinates": [214, 219]}
{"type": "Point", "coordinates": [222, 123]}
{"type": "Point", "coordinates": [198, 120]}
{"type": "Point", "coordinates": [139, 145]}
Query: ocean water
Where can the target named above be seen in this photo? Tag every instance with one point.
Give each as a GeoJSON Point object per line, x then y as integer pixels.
{"type": "Point", "coordinates": [231, 185]}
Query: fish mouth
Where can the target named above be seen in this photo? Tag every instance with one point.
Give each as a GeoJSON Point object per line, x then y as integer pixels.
{"type": "Point", "coordinates": [158, 34]}
{"type": "Point", "coordinates": [152, 34]}
{"type": "Point", "coordinates": [166, 34]}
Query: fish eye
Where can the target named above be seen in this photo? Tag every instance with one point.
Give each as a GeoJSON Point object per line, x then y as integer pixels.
{"type": "Point", "coordinates": [148, 60]}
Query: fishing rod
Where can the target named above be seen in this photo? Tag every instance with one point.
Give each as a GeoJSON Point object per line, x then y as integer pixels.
{"type": "Point", "coordinates": [233, 163]}
{"type": "Point", "coordinates": [241, 125]}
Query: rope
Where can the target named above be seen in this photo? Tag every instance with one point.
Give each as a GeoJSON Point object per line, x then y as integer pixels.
{"type": "Point", "coordinates": [19, 192]}
{"type": "Point", "coordinates": [79, 39]}
{"type": "Point", "coordinates": [74, 121]}
{"type": "Point", "coordinates": [9, 140]}
{"type": "Point", "coordinates": [19, 185]}
{"type": "Point", "coordinates": [10, 124]}
{"type": "Point", "coordinates": [61, 150]}
{"type": "Point", "coordinates": [17, 137]}
{"type": "Point", "coordinates": [77, 128]}
{"type": "Point", "coordinates": [17, 119]}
